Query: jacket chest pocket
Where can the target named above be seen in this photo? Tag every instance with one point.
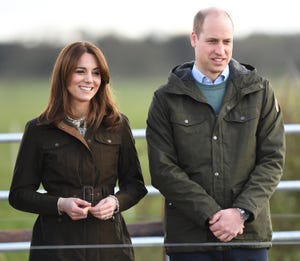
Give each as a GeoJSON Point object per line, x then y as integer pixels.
{"type": "Point", "coordinates": [190, 137]}
{"type": "Point", "coordinates": [241, 125]}
{"type": "Point", "coordinates": [242, 116]}
{"type": "Point", "coordinates": [106, 150]}
{"type": "Point", "coordinates": [243, 120]}
{"type": "Point", "coordinates": [187, 123]}
{"type": "Point", "coordinates": [61, 157]}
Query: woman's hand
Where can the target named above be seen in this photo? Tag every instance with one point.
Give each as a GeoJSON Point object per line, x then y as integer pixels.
{"type": "Point", "coordinates": [75, 208]}
{"type": "Point", "coordinates": [105, 208]}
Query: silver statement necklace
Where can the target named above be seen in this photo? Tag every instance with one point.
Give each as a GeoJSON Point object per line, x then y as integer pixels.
{"type": "Point", "coordinates": [79, 124]}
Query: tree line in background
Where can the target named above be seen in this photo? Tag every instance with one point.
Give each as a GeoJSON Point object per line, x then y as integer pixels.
{"type": "Point", "coordinates": [277, 55]}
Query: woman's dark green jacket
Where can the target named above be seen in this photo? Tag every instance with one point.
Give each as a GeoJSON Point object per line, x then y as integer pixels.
{"type": "Point", "coordinates": [65, 163]}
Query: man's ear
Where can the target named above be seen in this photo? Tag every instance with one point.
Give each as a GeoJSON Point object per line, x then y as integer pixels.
{"type": "Point", "coordinates": [193, 39]}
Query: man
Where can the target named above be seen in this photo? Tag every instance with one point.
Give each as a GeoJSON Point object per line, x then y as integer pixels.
{"type": "Point", "coordinates": [216, 146]}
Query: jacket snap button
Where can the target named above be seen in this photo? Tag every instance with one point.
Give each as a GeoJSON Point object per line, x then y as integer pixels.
{"type": "Point", "coordinates": [242, 118]}
{"type": "Point", "coordinates": [217, 174]}
{"type": "Point", "coordinates": [215, 137]}
{"type": "Point", "coordinates": [56, 144]}
{"type": "Point", "coordinates": [109, 141]}
{"type": "Point", "coordinates": [186, 121]}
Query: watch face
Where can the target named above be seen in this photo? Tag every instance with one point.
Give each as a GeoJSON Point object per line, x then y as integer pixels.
{"type": "Point", "coordinates": [244, 214]}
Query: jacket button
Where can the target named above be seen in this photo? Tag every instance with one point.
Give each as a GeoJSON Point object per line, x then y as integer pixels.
{"type": "Point", "coordinates": [242, 118]}
{"type": "Point", "coordinates": [186, 121]}
{"type": "Point", "coordinates": [215, 137]}
{"type": "Point", "coordinates": [109, 141]}
{"type": "Point", "coordinates": [56, 144]}
{"type": "Point", "coordinates": [217, 174]}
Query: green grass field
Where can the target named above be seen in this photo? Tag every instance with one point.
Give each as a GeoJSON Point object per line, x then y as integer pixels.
{"type": "Point", "coordinates": [21, 101]}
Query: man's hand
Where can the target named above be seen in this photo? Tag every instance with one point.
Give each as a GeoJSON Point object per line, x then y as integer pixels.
{"type": "Point", "coordinates": [226, 224]}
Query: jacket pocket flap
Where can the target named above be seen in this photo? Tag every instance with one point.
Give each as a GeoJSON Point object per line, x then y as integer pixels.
{"type": "Point", "coordinates": [55, 144]}
{"type": "Point", "coordinates": [187, 119]}
{"type": "Point", "coordinates": [242, 115]}
{"type": "Point", "coordinates": [108, 138]}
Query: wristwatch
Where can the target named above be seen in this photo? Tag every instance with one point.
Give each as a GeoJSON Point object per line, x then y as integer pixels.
{"type": "Point", "coordinates": [244, 213]}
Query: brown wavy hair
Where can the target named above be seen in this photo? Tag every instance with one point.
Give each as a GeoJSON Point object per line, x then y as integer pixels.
{"type": "Point", "coordinates": [102, 110]}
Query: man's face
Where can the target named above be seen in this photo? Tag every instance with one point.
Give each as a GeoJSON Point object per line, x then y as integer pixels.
{"type": "Point", "coordinates": [213, 47]}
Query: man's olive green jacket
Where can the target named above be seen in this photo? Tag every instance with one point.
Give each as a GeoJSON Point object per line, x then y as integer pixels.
{"type": "Point", "coordinates": [202, 162]}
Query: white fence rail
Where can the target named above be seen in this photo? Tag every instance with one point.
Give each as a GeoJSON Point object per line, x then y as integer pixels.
{"type": "Point", "coordinates": [137, 133]}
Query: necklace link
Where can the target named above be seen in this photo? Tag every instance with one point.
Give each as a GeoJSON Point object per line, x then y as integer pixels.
{"type": "Point", "coordinates": [79, 124]}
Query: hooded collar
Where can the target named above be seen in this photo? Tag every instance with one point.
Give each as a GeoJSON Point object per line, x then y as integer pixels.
{"type": "Point", "coordinates": [243, 77]}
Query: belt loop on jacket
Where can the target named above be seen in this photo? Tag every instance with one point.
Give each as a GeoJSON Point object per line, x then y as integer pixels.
{"type": "Point", "coordinates": [88, 193]}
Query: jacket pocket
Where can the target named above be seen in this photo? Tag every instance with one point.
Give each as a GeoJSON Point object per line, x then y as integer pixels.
{"type": "Point", "coordinates": [188, 130]}
{"type": "Point", "coordinates": [239, 136]}
{"type": "Point", "coordinates": [106, 152]}
{"type": "Point", "coordinates": [187, 123]}
{"type": "Point", "coordinates": [242, 115]}
{"type": "Point", "coordinates": [59, 158]}
{"type": "Point", "coordinates": [56, 144]}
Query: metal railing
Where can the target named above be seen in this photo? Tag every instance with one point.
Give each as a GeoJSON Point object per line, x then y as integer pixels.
{"type": "Point", "coordinates": [137, 133]}
{"type": "Point", "coordinates": [279, 237]}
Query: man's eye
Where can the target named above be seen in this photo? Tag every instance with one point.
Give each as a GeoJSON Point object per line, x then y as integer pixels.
{"type": "Point", "coordinates": [212, 41]}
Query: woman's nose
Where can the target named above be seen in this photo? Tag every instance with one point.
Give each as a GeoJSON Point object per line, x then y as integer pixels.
{"type": "Point", "coordinates": [88, 77]}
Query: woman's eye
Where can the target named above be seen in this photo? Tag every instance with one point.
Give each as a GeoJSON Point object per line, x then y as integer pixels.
{"type": "Point", "coordinates": [79, 71]}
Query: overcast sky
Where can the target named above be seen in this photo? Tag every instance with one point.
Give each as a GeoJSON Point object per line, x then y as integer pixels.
{"type": "Point", "coordinates": [37, 20]}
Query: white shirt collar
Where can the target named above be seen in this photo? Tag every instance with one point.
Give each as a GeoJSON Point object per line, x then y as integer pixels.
{"type": "Point", "coordinates": [200, 77]}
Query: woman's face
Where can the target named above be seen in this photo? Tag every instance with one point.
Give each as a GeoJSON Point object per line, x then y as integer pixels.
{"type": "Point", "coordinates": [85, 80]}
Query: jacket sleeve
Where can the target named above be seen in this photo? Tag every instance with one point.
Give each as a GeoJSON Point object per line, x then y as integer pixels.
{"type": "Point", "coordinates": [26, 180]}
{"type": "Point", "coordinates": [131, 182]}
{"type": "Point", "coordinates": [167, 176]}
{"type": "Point", "coordinates": [270, 157]}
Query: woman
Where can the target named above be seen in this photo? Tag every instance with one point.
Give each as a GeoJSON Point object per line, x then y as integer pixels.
{"type": "Point", "coordinates": [78, 149]}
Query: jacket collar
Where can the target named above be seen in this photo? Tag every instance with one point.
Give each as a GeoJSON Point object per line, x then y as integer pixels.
{"type": "Point", "coordinates": [72, 131]}
{"type": "Point", "coordinates": [244, 78]}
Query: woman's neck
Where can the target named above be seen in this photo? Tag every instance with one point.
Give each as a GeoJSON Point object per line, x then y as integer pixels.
{"type": "Point", "coordinates": [78, 112]}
